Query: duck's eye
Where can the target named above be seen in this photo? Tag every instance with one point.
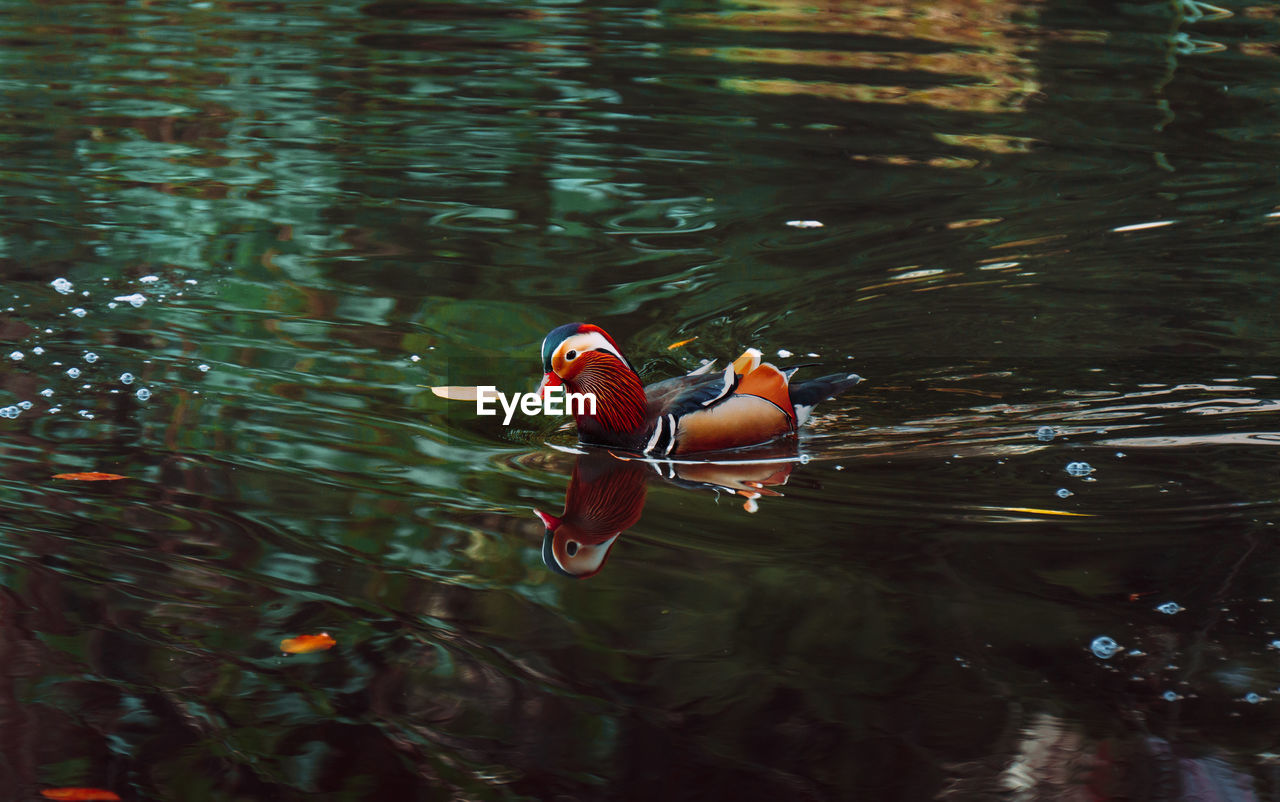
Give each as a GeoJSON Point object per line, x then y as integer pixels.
{"type": "Point", "coordinates": [571, 548]}
{"type": "Point", "coordinates": [570, 355]}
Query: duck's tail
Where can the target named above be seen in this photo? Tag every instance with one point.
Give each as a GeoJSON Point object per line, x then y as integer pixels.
{"type": "Point", "coordinates": [806, 395]}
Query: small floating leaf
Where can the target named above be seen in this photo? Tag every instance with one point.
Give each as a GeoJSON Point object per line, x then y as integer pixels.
{"type": "Point", "coordinates": [305, 644]}
{"type": "Point", "coordinates": [1039, 511]}
{"type": "Point", "coordinates": [91, 476]}
{"type": "Point", "coordinates": [674, 346]}
{"type": "Point", "coordinates": [82, 794]}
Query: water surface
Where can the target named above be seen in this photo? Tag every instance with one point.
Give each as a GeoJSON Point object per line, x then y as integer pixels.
{"type": "Point", "coordinates": [239, 240]}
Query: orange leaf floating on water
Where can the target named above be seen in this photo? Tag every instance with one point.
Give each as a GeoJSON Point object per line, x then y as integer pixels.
{"type": "Point", "coordinates": [83, 794]}
{"type": "Point", "coordinates": [91, 476]}
{"type": "Point", "coordinates": [305, 644]}
{"type": "Point", "coordinates": [674, 346]}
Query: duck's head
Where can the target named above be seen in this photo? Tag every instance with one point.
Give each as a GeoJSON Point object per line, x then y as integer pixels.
{"type": "Point", "coordinates": [585, 359]}
{"type": "Point", "coordinates": [566, 348]}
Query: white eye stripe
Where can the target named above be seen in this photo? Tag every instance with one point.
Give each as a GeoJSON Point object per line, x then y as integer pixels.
{"type": "Point", "coordinates": [590, 341]}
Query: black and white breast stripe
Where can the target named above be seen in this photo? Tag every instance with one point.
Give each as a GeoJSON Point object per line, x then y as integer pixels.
{"type": "Point", "coordinates": [664, 436]}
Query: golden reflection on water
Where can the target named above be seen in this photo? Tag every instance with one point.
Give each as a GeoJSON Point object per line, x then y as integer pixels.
{"type": "Point", "coordinates": [986, 71]}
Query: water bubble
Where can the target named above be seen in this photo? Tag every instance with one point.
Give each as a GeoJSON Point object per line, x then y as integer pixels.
{"type": "Point", "coordinates": [47, 392]}
{"type": "Point", "coordinates": [61, 285]}
{"type": "Point", "coordinates": [1104, 647]}
{"type": "Point", "coordinates": [1046, 433]}
{"type": "Point", "coordinates": [1120, 455]}
{"type": "Point", "coordinates": [202, 368]}
{"type": "Point", "coordinates": [8, 412]}
{"type": "Point", "coordinates": [1170, 696]}
{"type": "Point", "coordinates": [1169, 608]}
{"type": "Point", "coordinates": [135, 300]}
{"type": "Point", "coordinates": [143, 394]}
{"type": "Point", "coordinates": [415, 358]}
{"type": "Point", "coordinates": [78, 312]}
{"type": "Point", "coordinates": [148, 279]}
{"type": "Point", "coordinates": [126, 378]}
{"type": "Point", "coordinates": [73, 372]}
{"type": "Point", "coordinates": [24, 405]}
{"type": "Point", "coordinates": [1062, 492]}
{"type": "Point", "coordinates": [804, 223]}
{"type": "Point", "coordinates": [86, 414]}
{"type": "Point", "coordinates": [91, 357]}
{"type": "Point", "coordinates": [16, 355]}
{"type": "Point", "coordinates": [1079, 468]}
{"type": "Point", "coordinates": [191, 281]}
{"type": "Point", "coordinates": [1252, 698]}
{"type": "Point", "coordinates": [783, 353]}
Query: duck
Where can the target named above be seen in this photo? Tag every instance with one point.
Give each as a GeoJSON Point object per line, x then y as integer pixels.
{"type": "Point", "coordinates": [749, 403]}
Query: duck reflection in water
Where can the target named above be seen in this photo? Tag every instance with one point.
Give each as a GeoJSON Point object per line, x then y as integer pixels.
{"type": "Point", "coordinates": [607, 493]}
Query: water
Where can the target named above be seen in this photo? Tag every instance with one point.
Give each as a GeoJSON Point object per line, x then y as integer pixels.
{"type": "Point", "coordinates": [1041, 232]}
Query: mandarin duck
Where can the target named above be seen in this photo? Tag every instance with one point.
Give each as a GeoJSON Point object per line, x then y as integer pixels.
{"type": "Point", "coordinates": [750, 403]}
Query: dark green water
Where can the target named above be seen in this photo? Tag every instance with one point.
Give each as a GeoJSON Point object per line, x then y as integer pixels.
{"type": "Point", "coordinates": [1056, 218]}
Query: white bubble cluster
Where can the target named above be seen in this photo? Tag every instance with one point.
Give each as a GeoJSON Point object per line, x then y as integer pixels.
{"type": "Point", "coordinates": [9, 412]}
{"type": "Point", "coordinates": [78, 312]}
{"type": "Point", "coordinates": [61, 285]}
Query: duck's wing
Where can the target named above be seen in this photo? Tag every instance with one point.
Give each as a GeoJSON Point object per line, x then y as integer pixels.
{"type": "Point", "coordinates": [686, 393]}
